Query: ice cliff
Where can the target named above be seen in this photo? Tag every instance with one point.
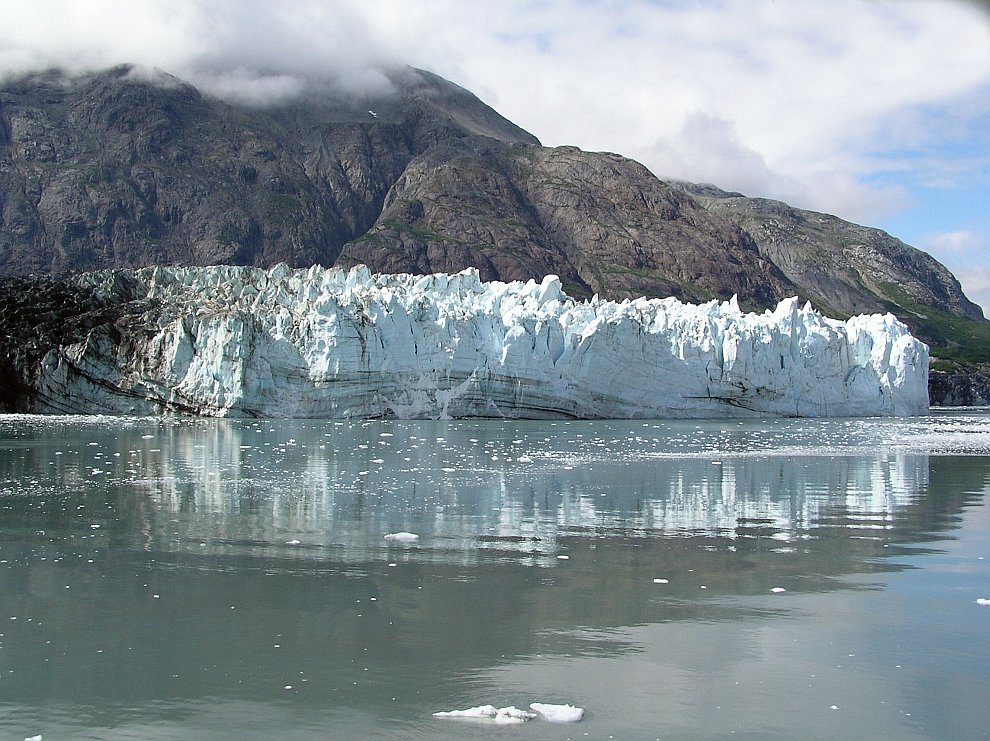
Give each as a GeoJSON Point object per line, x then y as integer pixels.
{"type": "Point", "coordinates": [233, 341]}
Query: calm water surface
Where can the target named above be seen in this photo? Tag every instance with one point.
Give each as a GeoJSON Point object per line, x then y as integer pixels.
{"type": "Point", "coordinates": [191, 579]}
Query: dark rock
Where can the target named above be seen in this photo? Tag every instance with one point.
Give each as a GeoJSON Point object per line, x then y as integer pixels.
{"type": "Point", "coordinates": [959, 387]}
{"type": "Point", "coordinates": [39, 313]}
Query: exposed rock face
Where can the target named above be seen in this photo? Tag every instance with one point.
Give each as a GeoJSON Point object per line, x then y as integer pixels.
{"type": "Point", "coordinates": [39, 314]}
{"type": "Point", "coordinates": [130, 168]}
{"type": "Point", "coordinates": [601, 222]}
{"type": "Point", "coordinates": [844, 267]}
{"type": "Point", "coordinates": [228, 341]}
{"type": "Point", "coordinates": [959, 388]}
{"type": "Point", "coordinates": [127, 169]}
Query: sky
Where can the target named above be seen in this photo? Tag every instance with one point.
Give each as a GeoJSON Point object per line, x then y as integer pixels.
{"type": "Point", "coordinates": [877, 111]}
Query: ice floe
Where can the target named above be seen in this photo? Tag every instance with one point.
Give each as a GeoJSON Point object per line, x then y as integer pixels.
{"type": "Point", "coordinates": [500, 716]}
{"type": "Point", "coordinates": [402, 537]}
{"type": "Point", "coordinates": [511, 714]}
{"type": "Point", "coordinates": [558, 713]}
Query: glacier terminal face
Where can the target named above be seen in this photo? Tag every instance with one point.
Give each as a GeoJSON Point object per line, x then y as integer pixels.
{"type": "Point", "coordinates": [233, 341]}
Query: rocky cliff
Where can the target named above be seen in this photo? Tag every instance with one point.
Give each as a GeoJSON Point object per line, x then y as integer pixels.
{"type": "Point", "coordinates": [133, 167]}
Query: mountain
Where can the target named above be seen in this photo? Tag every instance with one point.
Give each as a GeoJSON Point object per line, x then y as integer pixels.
{"type": "Point", "coordinates": [132, 167]}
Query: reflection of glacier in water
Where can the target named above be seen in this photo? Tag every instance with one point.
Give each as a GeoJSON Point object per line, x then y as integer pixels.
{"type": "Point", "coordinates": [517, 487]}
{"type": "Point", "coordinates": [201, 567]}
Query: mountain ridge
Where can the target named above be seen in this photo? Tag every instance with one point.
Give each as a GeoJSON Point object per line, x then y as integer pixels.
{"type": "Point", "coordinates": [130, 167]}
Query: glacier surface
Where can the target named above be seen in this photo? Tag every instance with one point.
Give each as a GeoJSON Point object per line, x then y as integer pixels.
{"type": "Point", "coordinates": [236, 341]}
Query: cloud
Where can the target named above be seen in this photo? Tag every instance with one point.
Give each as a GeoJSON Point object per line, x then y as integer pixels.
{"type": "Point", "coordinates": [957, 243]}
{"type": "Point", "coordinates": [806, 96]}
{"type": "Point", "coordinates": [708, 149]}
{"type": "Point", "coordinates": [244, 50]}
{"type": "Point", "coordinates": [964, 252]}
{"type": "Point", "coordinates": [975, 281]}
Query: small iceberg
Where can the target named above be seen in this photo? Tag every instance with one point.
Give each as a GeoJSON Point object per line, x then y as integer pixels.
{"type": "Point", "coordinates": [500, 716]}
{"type": "Point", "coordinates": [558, 713]}
{"type": "Point", "coordinates": [402, 537]}
{"type": "Point", "coordinates": [512, 714]}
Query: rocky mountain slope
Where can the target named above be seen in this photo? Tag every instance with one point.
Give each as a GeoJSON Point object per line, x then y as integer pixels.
{"type": "Point", "coordinates": [133, 167]}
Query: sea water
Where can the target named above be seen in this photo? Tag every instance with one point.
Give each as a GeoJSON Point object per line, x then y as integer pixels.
{"type": "Point", "coordinates": [232, 579]}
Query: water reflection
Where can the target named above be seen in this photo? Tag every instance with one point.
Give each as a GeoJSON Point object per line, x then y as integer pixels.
{"type": "Point", "coordinates": [233, 559]}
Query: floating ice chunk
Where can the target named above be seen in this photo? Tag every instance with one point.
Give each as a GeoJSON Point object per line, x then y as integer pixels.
{"type": "Point", "coordinates": [983, 601]}
{"type": "Point", "coordinates": [402, 537]}
{"type": "Point", "coordinates": [558, 713]}
{"type": "Point", "coordinates": [482, 711]}
{"type": "Point", "coordinates": [513, 715]}
{"type": "Point", "coordinates": [507, 715]}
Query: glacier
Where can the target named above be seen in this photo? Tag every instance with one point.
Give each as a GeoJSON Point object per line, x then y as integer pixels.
{"type": "Point", "coordinates": [230, 341]}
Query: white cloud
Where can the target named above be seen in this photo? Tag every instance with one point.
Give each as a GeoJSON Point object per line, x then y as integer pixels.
{"type": "Point", "coordinates": [964, 252]}
{"type": "Point", "coordinates": [242, 49]}
{"type": "Point", "coordinates": [955, 243]}
{"type": "Point", "coordinates": [975, 281]}
{"type": "Point", "coordinates": [804, 89]}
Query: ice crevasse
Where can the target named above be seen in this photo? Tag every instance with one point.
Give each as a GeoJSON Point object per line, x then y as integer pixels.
{"type": "Point", "coordinates": [329, 343]}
